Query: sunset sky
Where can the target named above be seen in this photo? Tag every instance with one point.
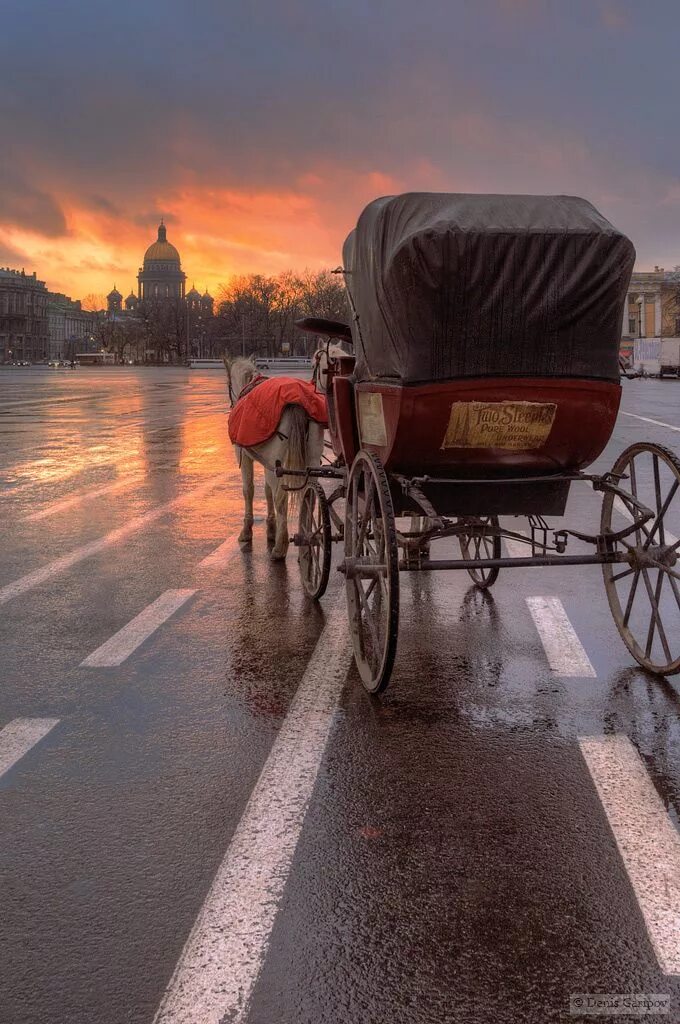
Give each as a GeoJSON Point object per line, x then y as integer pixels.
{"type": "Point", "coordinates": [260, 129]}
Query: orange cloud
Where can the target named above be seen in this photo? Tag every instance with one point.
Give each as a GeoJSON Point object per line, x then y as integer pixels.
{"type": "Point", "coordinates": [219, 231]}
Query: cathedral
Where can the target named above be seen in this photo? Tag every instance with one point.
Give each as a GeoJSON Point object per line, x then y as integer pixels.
{"type": "Point", "coordinates": [160, 278]}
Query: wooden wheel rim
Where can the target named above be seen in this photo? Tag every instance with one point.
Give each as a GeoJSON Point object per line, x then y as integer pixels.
{"type": "Point", "coordinates": [645, 599]}
{"type": "Point", "coordinates": [314, 529]}
{"type": "Point", "coordinates": [372, 600]}
{"type": "Point", "coordinates": [477, 546]}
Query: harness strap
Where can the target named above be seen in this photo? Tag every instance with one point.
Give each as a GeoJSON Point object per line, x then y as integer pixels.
{"type": "Point", "coordinates": [251, 385]}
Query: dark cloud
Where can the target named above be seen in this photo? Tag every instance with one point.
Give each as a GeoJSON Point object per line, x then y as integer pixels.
{"type": "Point", "coordinates": [104, 205]}
{"type": "Point", "coordinates": [151, 218]}
{"type": "Point", "coordinates": [128, 103]}
{"type": "Point", "coordinates": [10, 257]}
{"type": "Point", "coordinates": [29, 208]}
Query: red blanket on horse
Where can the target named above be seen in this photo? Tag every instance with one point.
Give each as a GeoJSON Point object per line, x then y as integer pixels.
{"type": "Point", "coordinates": [256, 415]}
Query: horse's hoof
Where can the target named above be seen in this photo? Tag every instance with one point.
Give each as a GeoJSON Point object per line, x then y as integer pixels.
{"type": "Point", "coordinates": [245, 537]}
{"type": "Point", "coordinates": [271, 533]}
{"type": "Point", "coordinates": [278, 556]}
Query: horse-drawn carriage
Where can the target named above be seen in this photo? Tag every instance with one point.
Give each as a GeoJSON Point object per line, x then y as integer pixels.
{"type": "Point", "coordinates": [484, 380]}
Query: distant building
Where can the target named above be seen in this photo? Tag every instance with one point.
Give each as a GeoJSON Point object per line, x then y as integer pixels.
{"type": "Point", "coordinates": [652, 308]}
{"type": "Point", "coordinates": [161, 276]}
{"type": "Point", "coordinates": [71, 328]}
{"type": "Point", "coordinates": [161, 284]}
{"type": "Point", "coordinates": [23, 317]}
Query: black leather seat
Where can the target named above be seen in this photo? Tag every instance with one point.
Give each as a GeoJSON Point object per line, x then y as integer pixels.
{"type": "Point", "coordinates": [333, 328]}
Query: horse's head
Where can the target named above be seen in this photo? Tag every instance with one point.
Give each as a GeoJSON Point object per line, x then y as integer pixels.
{"type": "Point", "coordinates": [239, 373]}
{"type": "Point", "coordinates": [320, 360]}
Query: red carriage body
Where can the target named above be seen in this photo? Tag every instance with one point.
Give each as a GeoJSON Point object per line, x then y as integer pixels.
{"type": "Point", "coordinates": [486, 332]}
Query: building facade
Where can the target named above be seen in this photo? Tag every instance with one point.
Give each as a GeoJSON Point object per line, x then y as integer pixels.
{"type": "Point", "coordinates": [71, 328]}
{"type": "Point", "coordinates": [24, 334]}
{"type": "Point", "coordinates": [652, 308]}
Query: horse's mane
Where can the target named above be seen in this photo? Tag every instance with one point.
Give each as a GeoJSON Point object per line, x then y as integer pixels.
{"type": "Point", "coordinates": [240, 371]}
{"type": "Point", "coordinates": [244, 363]}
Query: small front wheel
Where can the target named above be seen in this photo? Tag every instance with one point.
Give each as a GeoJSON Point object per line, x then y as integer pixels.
{"type": "Point", "coordinates": [314, 541]}
{"type": "Point", "coordinates": [480, 544]}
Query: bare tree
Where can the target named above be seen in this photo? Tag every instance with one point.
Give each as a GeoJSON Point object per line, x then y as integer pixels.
{"type": "Point", "coordinates": [94, 303]}
{"type": "Point", "coordinates": [256, 314]}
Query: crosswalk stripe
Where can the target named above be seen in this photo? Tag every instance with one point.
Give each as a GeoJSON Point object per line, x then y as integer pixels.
{"type": "Point", "coordinates": [647, 840]}
{"type": "Point", "coordinates": [646, 419]}
{"type": "Point", "coordinates": [123, 643]}
{"type": "Point", "coordinates": [18, 736]}
{"type": "Point", "coordinates": [221, 555]}
{"type": "Point", "coordinates": [224, 953]}
{"type": "Point", "coordinates": [564, 651]}
{"type": "Point", "coordinates": [516, 549]}
{"type": "Point", "coordinates": [52, 569]}
{"type": "Point", "coordinates": [76, 499]}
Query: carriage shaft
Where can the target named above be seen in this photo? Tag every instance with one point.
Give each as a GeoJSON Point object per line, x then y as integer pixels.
{"type": "Point", "coordinates": [428, 564]}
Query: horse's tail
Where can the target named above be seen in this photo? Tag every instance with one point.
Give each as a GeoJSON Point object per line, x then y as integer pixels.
{"type": "Point", "coordinates": [296, 456]}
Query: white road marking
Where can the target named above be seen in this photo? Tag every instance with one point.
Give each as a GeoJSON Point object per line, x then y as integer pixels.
{"type": "Point", "coordinates": [123, 643]}
{"type": "Point", "coordinates": [623, 510]}
{"type": "Point", "coordinates": [52, 569]}
{"type": "Point", "coordinates": [17, 738]}
{"type": "Point", "coordinates": [223, 554]}
{"type": "Point", "coordinates": [648, 842]}
{"type": "Point", "coordinates": [515, 548]}
{"type": "Point", "coordinates": [565, 652]}
{"type": "Point", "coordinates": [62, 506]}
{"type": "Point", "coordinates": [646, 419]}
{"type": "Point", "coordinates": [224, 953]}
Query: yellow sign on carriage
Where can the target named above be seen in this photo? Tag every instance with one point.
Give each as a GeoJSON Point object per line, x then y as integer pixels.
{"type": "Point", "coordinates": [515, 426]}
{"type": "Point", "coordinates": [372, 418]}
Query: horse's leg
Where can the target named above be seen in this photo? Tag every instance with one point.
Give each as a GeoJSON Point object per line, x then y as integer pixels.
{"type": "Point", "coordinates": [271, 513]}
{"type": "Point", "coordinates": [247, 478]}
{"type": "Point", "coordinates": [280, 548]}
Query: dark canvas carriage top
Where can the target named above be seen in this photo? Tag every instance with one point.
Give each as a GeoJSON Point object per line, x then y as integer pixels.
{"type": "Point", "coordinates": [460, 285]}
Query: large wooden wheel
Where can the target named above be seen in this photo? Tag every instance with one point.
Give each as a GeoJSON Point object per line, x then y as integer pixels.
{"type": "Point", "coordinates": [372, 571]}
{"type": "Point", "coordinates": [644, 595]}
{"type": "Point", "coordinates": [314, 541]}
{"type": "Point", "coordinates": [479, 544]}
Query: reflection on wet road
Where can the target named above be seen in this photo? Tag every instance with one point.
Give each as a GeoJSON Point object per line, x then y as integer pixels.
{"type": "Point", "coordinates": [204, 818]}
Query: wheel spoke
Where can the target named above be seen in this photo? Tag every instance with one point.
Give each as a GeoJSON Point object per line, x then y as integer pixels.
{"type": "Point", "coordinates": [655, 619]}
{"type": "Point", "coordinates": [669, 572]}
{"type": "Point", "coordinates": [368, 504]}
{"type": "Point", "coordinates": [631, 597]}
{"type": "Point", "coordinates": [662, 513]}
{"type": "Point", "coordinates": [633, 488]}
{"type": "Point", "coordinates": [657, 493]}
{"type": "Point", "coordinates": [622, 575]}
{"type": "Point", "coordinates": [367, 616]}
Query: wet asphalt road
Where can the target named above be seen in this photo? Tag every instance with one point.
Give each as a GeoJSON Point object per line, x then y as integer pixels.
{"type": "Point", "coordinates": [455, 862]}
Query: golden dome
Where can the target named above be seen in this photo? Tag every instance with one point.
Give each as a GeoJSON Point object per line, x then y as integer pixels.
{"type": "Point", "coordinates": [162, 249]}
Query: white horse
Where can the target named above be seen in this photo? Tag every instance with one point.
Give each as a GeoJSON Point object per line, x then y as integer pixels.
{"type": "Point", "coordinates": [296, 444]}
